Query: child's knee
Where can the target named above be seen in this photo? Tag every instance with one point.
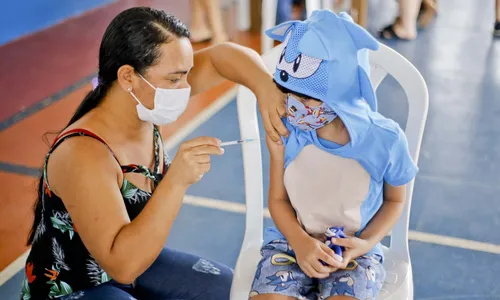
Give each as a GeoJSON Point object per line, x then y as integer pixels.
{"type": "Point", "coordinates": [278, 275]}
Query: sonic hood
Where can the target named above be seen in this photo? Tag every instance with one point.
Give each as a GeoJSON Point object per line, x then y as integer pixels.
{"type": "Point", "coordinates": [326, 57]}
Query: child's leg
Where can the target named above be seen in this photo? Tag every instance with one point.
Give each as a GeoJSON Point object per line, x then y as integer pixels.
{"type": "Point", "coordinates": [362, 281]}
{"type": "Point", "coordinates": [279, 277]}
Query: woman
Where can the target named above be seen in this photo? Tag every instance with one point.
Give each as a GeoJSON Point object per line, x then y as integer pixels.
{"type": "Point", "coordinates": [106, 201]}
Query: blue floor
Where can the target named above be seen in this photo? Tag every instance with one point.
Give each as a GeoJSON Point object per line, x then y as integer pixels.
{"type": "Point", "coordinates": [456, 191]}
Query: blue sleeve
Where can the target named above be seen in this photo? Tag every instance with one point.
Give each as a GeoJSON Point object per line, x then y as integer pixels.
{"type": "Point", "coordinates": [401, 169]}
{"type": "Point", "coordinates": [289, 127]}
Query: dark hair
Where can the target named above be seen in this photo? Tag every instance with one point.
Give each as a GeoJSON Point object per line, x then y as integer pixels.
{"type": "Point", "coordinates": [132, 38]}
{"type": "Point", "coordinates": [284, 90]}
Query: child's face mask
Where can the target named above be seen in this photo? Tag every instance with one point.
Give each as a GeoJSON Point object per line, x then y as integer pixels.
{"type": "Point", "coordinates": [308, 118]}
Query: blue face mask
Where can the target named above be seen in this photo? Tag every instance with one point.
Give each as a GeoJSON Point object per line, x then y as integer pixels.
{"type": "Point", "coordinates": [308, 118]}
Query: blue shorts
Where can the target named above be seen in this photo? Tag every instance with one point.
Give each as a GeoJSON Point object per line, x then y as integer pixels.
{"type": "Point", "coordinates": [278, 273]}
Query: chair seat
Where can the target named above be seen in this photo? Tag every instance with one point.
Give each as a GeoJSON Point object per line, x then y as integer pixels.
{"type": "Point", "coordinates": [398, 282]}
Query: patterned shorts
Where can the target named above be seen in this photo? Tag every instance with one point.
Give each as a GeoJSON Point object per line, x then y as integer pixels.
{"type": "Point", "coordinates": [278, 273]}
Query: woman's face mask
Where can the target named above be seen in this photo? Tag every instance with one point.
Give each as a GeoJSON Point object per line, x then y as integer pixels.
{"type": "Point", "coordinates": [308, 118]}
{"type": "Point", "coordinates": [169, 104]}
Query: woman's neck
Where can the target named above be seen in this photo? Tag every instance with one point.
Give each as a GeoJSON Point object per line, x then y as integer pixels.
{"type": "Point", "coordinates": [117, 113]}
{"type": "Point", "coordinates": [335, 132]}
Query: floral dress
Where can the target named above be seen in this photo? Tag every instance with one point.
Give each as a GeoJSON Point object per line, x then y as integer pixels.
{"type": "Point", "coordinates": [59, 264]}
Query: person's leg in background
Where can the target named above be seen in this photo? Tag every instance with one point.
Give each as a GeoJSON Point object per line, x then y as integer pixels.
{"type": "Point", "coordinates": [405, 26]}
{"type": "Point", "coordinates": [178, 275]}
{"type": "Point", "coordinates": [200, 31]}
{"type": "Point", "coordinates": [206, 22]}
{"type": "Point", "coordinates": [299, 11]}
{"type": "Point", "coordinates": [212, 7]}
{"type": "Point", "coordinates": [428, 10]}
{"type": "Point", "coordinates": [284, 11]}
{"type": "Point", "coordinates": [496, 31]}
{"type": "Point", "coordinates": [359, 11]}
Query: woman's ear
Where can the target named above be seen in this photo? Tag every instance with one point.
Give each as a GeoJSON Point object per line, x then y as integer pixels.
{"type": "Point", "coordinates": [126, 78]}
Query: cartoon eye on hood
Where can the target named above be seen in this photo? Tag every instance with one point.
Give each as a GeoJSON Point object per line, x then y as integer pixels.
{"type": "Point", "coordinates": [302, 66]}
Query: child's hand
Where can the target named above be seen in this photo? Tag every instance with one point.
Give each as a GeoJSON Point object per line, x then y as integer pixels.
{"type": "Point", "coordinates": [309, 252]}
{"type": "Point", "coordinates": [354, 248]}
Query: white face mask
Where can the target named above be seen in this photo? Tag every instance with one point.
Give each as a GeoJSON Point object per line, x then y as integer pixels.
{"type": "Point", "coordinates": [169, 105]}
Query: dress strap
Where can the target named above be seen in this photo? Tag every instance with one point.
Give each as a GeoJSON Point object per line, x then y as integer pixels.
{"type": "Point", "coordinates": [60, 139]}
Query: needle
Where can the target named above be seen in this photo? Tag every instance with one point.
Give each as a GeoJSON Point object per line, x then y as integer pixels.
{"type": "Point", "coordinates": [237, 142]}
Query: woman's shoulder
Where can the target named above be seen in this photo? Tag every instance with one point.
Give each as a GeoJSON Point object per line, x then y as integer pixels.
{"type": "Point", "coordinates": [75, 152]}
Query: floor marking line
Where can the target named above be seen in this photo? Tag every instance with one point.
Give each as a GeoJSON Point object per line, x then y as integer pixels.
{"type": "Point", "coordinates": [19, 169]}
{"type": "Point", "coordinates": [429, 238]}
{"type": "Point", "coordinates": [228, 206]}
{"type": "Point", "coordinates": [13, 268]}
{"type": "Point", "coordinates": [41, 104]}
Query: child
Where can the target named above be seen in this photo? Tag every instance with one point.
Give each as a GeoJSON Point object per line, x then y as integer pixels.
{"type": "Point", "coordinates": [343, 165]}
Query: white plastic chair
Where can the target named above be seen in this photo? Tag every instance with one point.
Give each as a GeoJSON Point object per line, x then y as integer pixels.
{"type": "Point", "coordinates": [399, 282]}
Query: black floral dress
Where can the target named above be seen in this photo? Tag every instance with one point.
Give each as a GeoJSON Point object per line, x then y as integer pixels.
{"type": "Point", "coordinates": [58, 263]}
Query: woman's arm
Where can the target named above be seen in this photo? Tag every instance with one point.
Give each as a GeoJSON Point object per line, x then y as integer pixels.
{"type": "Point", "coordinates": [90, 190]}
{"type": "Point", "coordinates": [244, 66]}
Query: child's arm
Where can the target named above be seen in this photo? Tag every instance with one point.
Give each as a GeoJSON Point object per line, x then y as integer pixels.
{"type": "Point", "coordinates": [399, 172]}
{"type": "Point", "coordinates": [387, 216]}
{"type": "Point", "coordinates": [378, 227]}
{"type": "Point", "coordinates": [309, 251]}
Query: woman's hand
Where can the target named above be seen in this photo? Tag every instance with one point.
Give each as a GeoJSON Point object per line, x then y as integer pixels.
{"type": "Point", "coordinates": [354, 248]}
{"type": "Point", "coordinates": [192, 160]}
{"type": "Point", "coordinates": [244, 66]}
{"type": "Point", "coordinates": [272, 107]}
{"type": "Point", "coordinates": [310, 252]}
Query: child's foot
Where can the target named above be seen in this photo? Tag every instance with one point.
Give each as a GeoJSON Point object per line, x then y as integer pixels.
{"type": "Point", "coordinates": [496, 29]}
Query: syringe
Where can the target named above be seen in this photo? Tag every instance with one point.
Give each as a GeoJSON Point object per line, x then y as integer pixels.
{"type": "Point", "coordinates": [237, 142]}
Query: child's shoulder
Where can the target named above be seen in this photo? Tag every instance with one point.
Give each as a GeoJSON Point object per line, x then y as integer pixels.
{"type": "Point", "coordinates": [385, 128]}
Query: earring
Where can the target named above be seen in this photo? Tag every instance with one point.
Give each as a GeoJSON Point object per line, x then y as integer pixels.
{"type": "Point", "coordinates": [129, 89]}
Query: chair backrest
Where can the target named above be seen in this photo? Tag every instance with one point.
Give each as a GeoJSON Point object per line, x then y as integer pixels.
{"type": "Point", "coordinates": [383, 62]}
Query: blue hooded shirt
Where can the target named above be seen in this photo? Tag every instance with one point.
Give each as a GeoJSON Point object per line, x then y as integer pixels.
{"type": "Point", "coordinates": [326, 57]}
